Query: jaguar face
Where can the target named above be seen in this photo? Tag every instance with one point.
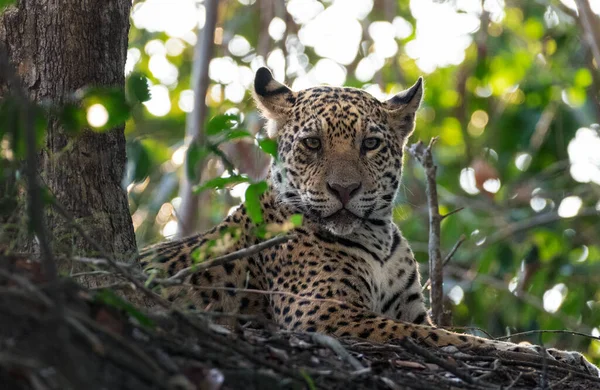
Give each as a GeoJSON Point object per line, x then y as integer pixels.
{"type": "Point", "coordinates": [340, 150]}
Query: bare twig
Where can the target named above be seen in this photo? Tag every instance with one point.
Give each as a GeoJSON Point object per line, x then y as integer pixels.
{"type": "Point", "coordinates": [194, 133]}
{"type": "Point", "coordinates": [448, 257]}
{"type": "Point", "coordinates": [263, 292]}
{"type": "Point", "coordinates": [251, 250]}
{"type": "Point", "coordinates": [452, 212]}
{"type": "Point", "coordinates": [424, 156]}
{"type": "Point", "coordinates": [589, 336]}
{"type": "Point", "coordinates": [411, 346]}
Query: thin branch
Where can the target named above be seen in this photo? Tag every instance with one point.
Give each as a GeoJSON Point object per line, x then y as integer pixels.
{"type": "Point", "coordinates": [424, 156]}
{"type": "Point", "coordinates": [452, 212]}
{"type": "Point", "coordinates": [448, 257]}
{"type": "Point", "coordinates": [194, 133]}
{"type": "Point", "coordinates": [263, 292]}
{"type": "Point", "coordinates": [529, 332]}
{"type": "Point", "coordinates": [429, 356]}
{"type": "Point", "coordinates": [245, 252]}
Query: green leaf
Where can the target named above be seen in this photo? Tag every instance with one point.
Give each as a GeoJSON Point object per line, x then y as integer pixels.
{"type": "Point", "coordinates": [235, 134]}
{"type": "Point", "coordinates": [141, 158]}
{"type": "Point", "coordinates": [109, 298]}
{"type": "Point", "coordinates": [253, 207]}
{"type": "Point", "coordinates": [137, 88]}
{"type": "Point", "coordinates": [6, 3]}
{"type": "Point", "coordinates": [296, 220]}
{"type": "Point", "coordinates": [72, 118]}
{"type": "Point", "coordinates": [268, 146]}
{"type": "Point", "coordinates": [195, 154]}
{"type": "Point", "coordinates": [221, 123]}
{"type": "Point", "coordinates": [309, 382]}
{"type": "Point", "coordinates": [220, 183]}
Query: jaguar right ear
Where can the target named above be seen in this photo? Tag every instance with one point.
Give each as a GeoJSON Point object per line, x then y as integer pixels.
{"type": "Point", "coordinates": [273, 99]}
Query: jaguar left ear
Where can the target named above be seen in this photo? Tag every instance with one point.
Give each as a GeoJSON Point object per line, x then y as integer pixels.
{"type": "Point", "coordinates": [403, 107]}
{"type": "Point", "coordinates": [274, 99]}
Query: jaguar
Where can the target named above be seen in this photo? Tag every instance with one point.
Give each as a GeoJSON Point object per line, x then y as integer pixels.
{"type": "Point", "coordinates": [347, 270]}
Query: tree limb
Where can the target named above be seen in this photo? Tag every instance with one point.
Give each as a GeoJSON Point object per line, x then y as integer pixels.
{"type": "Point", "coordinates": [194, 134]}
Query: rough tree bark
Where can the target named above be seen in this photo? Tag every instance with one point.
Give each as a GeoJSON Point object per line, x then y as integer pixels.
{"type": "Point", "coordinates": [58, 47]}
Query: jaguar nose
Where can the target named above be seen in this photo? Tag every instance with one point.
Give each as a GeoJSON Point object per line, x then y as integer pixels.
{"type": "Point", "coordinates": [344, 192]}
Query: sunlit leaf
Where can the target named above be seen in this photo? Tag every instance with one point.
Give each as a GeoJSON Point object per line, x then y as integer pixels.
{"type": "Point", "coordinates": [252, 203]}
{"type": "Point", "coordinates": [268, 146]}
{"type": "Point", "coordinates": [220, 183]}
{"type": "Point", "coordinates": [221, 123]}
{"type": "Point", "coordinates": [113, 100]}
{"type": "Point", "coordinates": [296, 220]}
{"type": "Point", "coordinates": [109, 298]}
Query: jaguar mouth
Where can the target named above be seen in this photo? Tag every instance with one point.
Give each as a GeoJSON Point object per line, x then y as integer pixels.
{"type": "Point", "coordinates": [342, 216]}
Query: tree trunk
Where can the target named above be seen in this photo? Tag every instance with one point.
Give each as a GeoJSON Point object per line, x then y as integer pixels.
{"type": "Point", "coordinates": [58, 47]}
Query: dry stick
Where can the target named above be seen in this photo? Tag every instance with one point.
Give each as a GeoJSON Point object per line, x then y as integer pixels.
{"type": "Point", "coordinates": [448, 256]}
{"type": "Point", "coordinates": [452, 212]}
{"type": "Point", "coordinates": [424, 156]}
{"type": "Point", "coordinates": [549, 331]}
{"type": "Point", "coordinates": [195, 121]}
{"type": "Point", "coordinates": [262, 292]}
{"type": "Point", "coordinates": [411, 346]}
{"type": "Point", "coordinates": [245, 252]}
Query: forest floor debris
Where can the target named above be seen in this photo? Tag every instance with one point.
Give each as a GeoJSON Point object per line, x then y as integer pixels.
{"type": "Point", "coordinates": [111, 344]}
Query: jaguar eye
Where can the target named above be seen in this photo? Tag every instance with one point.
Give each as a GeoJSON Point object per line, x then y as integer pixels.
{"type": "Point", "coordinates": [312, 143]}
{"type": "Point", "coordinates": [371, 143]}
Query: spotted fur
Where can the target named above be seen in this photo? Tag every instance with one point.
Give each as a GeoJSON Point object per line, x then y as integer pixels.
{"type": "Point", "coordinates": [348, 271]}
